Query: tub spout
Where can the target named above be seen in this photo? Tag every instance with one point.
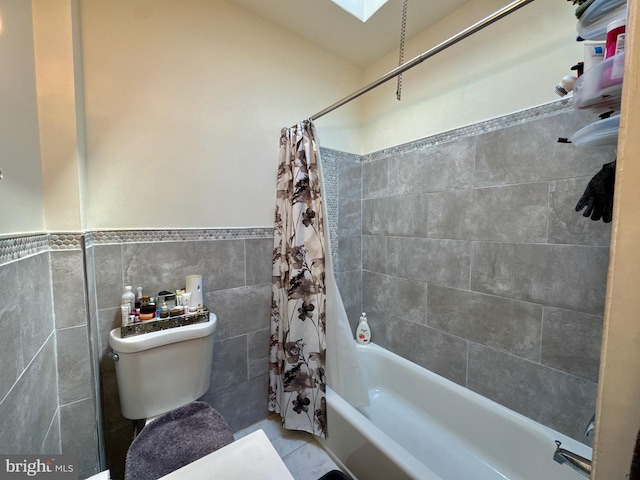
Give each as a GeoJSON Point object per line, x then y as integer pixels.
{"type": "Point", "coordinates": [575, 461]}
{"type": "Point", "coordinates": [590, 427]}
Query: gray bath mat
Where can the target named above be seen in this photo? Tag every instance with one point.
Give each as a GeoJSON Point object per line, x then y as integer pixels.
{"type": "Point", "coordinates": [176, 439]}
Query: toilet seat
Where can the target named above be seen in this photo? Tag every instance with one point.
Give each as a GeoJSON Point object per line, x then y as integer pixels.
{"type": "Point", "coordinates": [175, 439]}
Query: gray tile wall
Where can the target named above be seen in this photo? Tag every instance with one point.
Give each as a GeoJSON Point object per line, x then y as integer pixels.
{"type": "Point", "coordinates": [45, 355]}
{"type": "Point", "coordinates": [237, 288]}
{"type": "Point", "coordinates": [475, 264]}
{"type": "Point", "coordinates": [29, 421]}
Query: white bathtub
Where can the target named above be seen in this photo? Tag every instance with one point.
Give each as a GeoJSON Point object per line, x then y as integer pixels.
{"type": "Point", "coordinates": [421, 426]}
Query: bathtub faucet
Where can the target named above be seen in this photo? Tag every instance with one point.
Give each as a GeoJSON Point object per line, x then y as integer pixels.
{"type": "Point", "coordinates": [590, 427]}
{"type": "Point", "coordinates": [575, 461]}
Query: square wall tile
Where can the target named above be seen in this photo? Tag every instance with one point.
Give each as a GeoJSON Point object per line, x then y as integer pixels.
{"type": "Point", "coordinates": [405, 216]}
{"type": "Point", "coordinates": [240, 310]}
{"type": "Point", "coordinates": [566, 226]}
{"type": "Point", "coordinates": [27, 411]}
{"type": "Point", "coordinates": [432, 349]}
{"type": "Point", "coordinates": [571, 342]}
{"type": "Point", "coordinates": [79, 432]}
{"type": "Point", "coordinates": [572, 277]}
{"type": "Point", "coordinates": [75, 379]}
{"type": "Point", "coordinates": [164, 265]}
{"type": "Point", "coordinates": [259, 253]}
{"type": "Point", "coordinates": [442, 262]}
{"type": "Point", "coordinates": [529, 152]}
{"type": "Point", "coordinates": [434, 168]}
{"type": "Point", "coordinates": [507, 325]}
{"type": "Point", "coordinates": [229, 364]}
{"type": "Point", "coordinates": [374, 179]}
{"type": "Point", "coordinates": [67, 273]}
{"type": "Point", "coordinates": [394, 297]}
{"type": "Point", "coordinates": [516, 213]}
{"type": "Point", "coordinates": [538, 392]}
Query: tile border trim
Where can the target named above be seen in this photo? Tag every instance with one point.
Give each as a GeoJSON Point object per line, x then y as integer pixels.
{"type": "Point", "coordinates": [550, 109]}
{"type": "Point", "coordinates": [17, 247]}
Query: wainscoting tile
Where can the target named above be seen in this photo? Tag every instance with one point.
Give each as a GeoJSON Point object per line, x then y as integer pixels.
{"type": "Point", "coordinates": [109, 280]}
{"type": "Point", "coordinates": [111, 410]}
{"type": "Point", "coordinates": [33, 279]}
{"type": "Point", "coordinates": [507, 325]}
{"type": "Point", "coordinates": [78, 428]}
{"type": "Point", "coordinates": [229, 364]}
{"type": "Point", "coordinates": [515, 213]}
{"type": "Point", "coordinates": [51, 444]}
{"type": "Point", "coordinates": [11, 300]}
{"type": "Point", "coordinates": [533, 390]}
{"type": "Point", "coordinates": [27, 411]}
{"type": "Point", "coordinates": [164, 265]}
{"type": "Point", "coordinates": [258, 345]}
{"type": "Point", "coordinates": [108, 319]}
{"type": "Point", "coordinates": [571, 342]}
{"type": "Point", "coordinates": [243, 404]}
{"type": "Point", "coordinates": [572, 277]}
{"type": "Point", "coordinates": [442, 262]}
{"type": "Point", "coordinates": [259, 252]}
{"type": "Point", "coordinates": [374, 179]}
{"type": "Point", "coordinates": [240, 310]}
{"type": "Point", "coordinates": [67, 273]}
{"type": "Point", "coordinates": [74, 365]}
{"type": "Point", "coordinates": [394, 296]}
{"type": "Point", "coordinates": [447, 166]}
{"type": "Point", "coordinates": [439, 352]}
{"type": "Point", "coordinates": [566, 226]}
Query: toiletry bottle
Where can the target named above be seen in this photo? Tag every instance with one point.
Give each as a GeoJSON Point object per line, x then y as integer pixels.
{"type": "Point", "coordinates": [128, 297]}
{"type": "Point", "coordinates": [138, 297]}
{"type": "Point", "coordinates": [363, 333]}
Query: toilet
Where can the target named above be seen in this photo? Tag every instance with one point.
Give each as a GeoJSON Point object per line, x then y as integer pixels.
{"type": "Point", "coordinates": [160, 371]}
{"type": "Point", "coordinates": [160, 376]}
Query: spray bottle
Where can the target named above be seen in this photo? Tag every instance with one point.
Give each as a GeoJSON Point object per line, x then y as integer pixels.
{"type": "Point", "coordinates": [363, 332]}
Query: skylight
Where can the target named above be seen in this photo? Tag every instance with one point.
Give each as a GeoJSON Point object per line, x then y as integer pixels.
{"type": "Point", "coordinates": [361, 9]}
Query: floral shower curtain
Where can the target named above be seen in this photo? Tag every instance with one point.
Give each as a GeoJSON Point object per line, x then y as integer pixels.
{"type": "Point", "coordinates": [297, 351]}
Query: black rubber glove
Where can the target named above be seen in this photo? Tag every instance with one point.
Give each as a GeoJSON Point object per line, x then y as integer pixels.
{"type": "Point", "coordinates": [598, 196]}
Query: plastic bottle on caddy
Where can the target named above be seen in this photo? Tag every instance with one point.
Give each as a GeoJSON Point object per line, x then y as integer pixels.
{"type": "Point", "coordinates": [127, 305]}
{"type": "Point", "coordinates": [363, 332]}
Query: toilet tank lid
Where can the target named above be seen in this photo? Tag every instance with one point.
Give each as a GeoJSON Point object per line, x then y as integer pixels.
{"type": "Point", "coordinates": [146, 341]}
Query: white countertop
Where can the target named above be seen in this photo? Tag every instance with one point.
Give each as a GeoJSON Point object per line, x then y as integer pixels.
{"type": "Point", "coordinates": [248, 458]}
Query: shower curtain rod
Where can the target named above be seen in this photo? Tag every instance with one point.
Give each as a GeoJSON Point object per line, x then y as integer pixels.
{"type": "Point", "coordinates": [503, 12]}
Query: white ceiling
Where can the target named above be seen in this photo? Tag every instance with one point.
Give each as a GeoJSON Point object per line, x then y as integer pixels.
{"type": "Point", "coordinates": [328, 26]}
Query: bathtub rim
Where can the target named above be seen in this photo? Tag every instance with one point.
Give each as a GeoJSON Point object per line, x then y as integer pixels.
{"type": "Point", "coordinates": [404, 460]}
{"type": "Point", "coordinates": [539, 428]}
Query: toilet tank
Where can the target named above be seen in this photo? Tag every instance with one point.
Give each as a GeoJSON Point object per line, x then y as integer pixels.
{"type": "Point", "coordinates": [160, 371]}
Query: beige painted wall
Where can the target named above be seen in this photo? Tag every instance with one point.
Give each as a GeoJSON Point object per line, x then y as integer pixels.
{"type": "Point", "coordinates": [509, 66]}
{"type": "Point", "coordinates": [21, 188]}
{"type": "Point", "coordinates": [619, 386]}
{"type": "Point", "coordinates": [184, 105]}
{"type": "Point", "coordinates": [60, 116]}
